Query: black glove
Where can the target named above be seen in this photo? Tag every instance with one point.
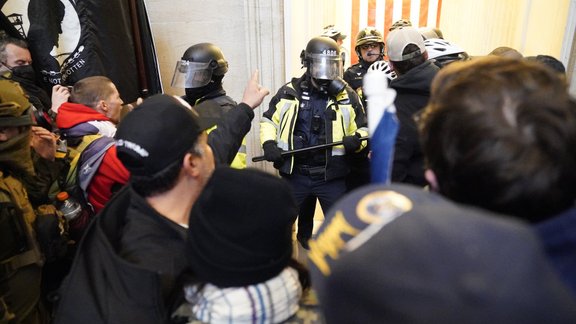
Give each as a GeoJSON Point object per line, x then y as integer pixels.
{"type": "Point", "coordinates": [272, 152]}
{"type": "Point", "coordinates": [351, 143]}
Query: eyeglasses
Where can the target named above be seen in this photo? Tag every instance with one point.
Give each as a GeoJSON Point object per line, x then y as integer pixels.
{"type": "Point", "coordinates": [369, 46]}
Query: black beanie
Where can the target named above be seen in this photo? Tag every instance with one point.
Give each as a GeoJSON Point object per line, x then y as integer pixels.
{"type": "Point", "coordinates": [240, 229]}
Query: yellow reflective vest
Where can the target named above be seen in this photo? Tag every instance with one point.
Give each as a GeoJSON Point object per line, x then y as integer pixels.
{"type": "Point", "coordinates": [347, 117]}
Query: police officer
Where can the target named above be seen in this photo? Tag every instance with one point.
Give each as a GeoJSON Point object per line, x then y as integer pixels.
{"type": "Point", "coordinates": [369, 48]}
{"type": "Point", "coordinates": [200, 72]}
{"type": "Point", "coordinates": [316, 108]}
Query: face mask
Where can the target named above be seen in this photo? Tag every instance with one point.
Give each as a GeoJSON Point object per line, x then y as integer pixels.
{"type": "Point", "coordinates": [329, 87]}
{"type": "Point", "coordinates": [24, 72]}
{"type": "Point", "coordinates": [193, 94]}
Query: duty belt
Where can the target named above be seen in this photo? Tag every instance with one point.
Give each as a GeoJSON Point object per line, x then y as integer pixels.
{"type": "Point", "coordinates": [314, 172]}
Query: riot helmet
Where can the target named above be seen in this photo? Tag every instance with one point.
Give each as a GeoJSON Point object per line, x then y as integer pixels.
{"type": "Point", "coordinates": [366, 36]}
{"type": "Point", "coordinates": [322, 58]}
{"type": "Point", "coordinates": [323, 62]}
{"type": "Point", "coordinates": [200, 64]}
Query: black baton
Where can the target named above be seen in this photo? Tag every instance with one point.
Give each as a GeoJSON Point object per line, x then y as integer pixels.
{"type": "Point", "coordinates": [306, 149]}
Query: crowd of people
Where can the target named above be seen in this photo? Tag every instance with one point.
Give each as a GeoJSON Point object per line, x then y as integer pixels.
{"type": "Point", "coordinates": [172, 227]}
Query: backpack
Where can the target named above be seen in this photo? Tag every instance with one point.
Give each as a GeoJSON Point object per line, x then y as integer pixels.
{"type": "Point", "coordinates": [80, 165]}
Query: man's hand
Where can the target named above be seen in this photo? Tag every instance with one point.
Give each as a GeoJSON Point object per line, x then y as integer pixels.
{"type": "Point", "coordinates": [273, 153]}
{"type": "Point", "coordinates": [254, 93]}
{"type": "Point", "coordinates": [351, 143]}
{"type": "Point", "coordinates": [43, 142]}
{"type": "Point", "coordinates": [60, 95]}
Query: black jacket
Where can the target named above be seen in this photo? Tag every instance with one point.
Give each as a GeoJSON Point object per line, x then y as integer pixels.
{"type": "Point", "coordinates": [413, 92]}
{"type": "Point", "coordinates": [233, 125]}
{"type": "Point", "coordinates": [354, 75]}
{"type": "Point", "coordinates": [110, 284]}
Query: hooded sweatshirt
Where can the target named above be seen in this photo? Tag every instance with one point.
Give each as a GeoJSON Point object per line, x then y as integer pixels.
{"type": "Point", "coordinates": [76, 120]}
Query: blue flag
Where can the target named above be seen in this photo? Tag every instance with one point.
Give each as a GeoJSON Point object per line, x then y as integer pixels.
{"type": "Point", "coordinates": [382, 124]}
{"type": "Point", "coordinates": [382, 144]}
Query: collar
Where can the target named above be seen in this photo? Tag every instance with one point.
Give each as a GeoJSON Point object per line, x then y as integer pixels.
{"type": "Point", "coordinates": [276, 300]}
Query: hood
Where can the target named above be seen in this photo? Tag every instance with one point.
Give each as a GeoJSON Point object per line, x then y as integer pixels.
{"type": "Point", "coordinates": [419, 78]}
{"type": "Point", "coordinates": [72, 114]}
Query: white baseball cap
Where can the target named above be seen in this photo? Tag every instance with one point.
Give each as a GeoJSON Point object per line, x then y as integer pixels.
{"type": "Point", "coordinates": [401, 37]}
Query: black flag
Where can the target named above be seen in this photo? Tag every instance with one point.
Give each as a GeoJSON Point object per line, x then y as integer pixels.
{"type": "Point", "coordinates": [70, 40]}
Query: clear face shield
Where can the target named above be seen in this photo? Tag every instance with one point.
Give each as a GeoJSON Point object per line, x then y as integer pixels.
{"type": "Point", "coordinates": [191, 74]}
{"type": "Point", "coordinates": [325, 67]}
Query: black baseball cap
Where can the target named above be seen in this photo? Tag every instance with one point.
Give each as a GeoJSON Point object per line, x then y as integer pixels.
{"type": "Point", "coordinates": [158, 132]}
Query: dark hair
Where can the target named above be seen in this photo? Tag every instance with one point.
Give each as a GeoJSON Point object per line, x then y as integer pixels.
{"type": "Point", "coordinates": [402, 67]}
{"type": "Point", "coordinates": [500, 133]}
{"type": "Point", "coordinates": [550, 62]}
{"type": "Point", "coordinates": [5, 40]}
{"type": "Point", "coordinates": [90, 90]}
{"type": "Point", "coordinates": [505, 51]}
{"type": "Point", "coordinates": [165, 179]}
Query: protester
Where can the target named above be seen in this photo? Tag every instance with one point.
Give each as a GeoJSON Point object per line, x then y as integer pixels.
{"type": "Point", "coordinates": [550, 62]}
{"type": "Point", "coordinates": [239, 245]}
{"type": "Point", "coordinates": [17, 60]}
{"type": "Point", "coordinates": [126, 268]}
{"type": "Point", "coordinates": [25, 218]}
{"type": "Point", "coordinates": [398, 254]}
{"type": "Point", "coordinates": [442, 52]}
{"type": "Point", "coordinates": [500, 134]}
{"type": "Point", "coordinates": [94, 109]}
{"type": "Point", "coordinates": [408, 57]}
{"type": "Point", "coordinates": [316, 108]}
{"type": "Point", "coordinates": [505, 51]}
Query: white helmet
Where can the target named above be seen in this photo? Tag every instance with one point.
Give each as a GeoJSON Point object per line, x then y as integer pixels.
{"type": "Point", "coordinates": [384, 67]}
{"type": "Point", "coordinates": [333, 32]}
{"type": "Point", "coordinates": [443, 53]}
{"type": "Point", "coordinates": [438, 47]}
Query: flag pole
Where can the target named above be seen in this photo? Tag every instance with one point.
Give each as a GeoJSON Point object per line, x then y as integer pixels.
{"type": "Point", "coordinates": [135, 23]}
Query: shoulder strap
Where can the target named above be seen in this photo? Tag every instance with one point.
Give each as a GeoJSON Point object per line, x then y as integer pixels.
{"type": "Point", "coordinates": [75, 155]}
{"type": "Point", "coordinates": [90, 160]}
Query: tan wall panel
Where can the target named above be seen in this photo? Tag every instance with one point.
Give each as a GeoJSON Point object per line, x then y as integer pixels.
{"type": "Point", "coordinates": [530, 26]}
{"type": "Point", "coordinates": [546, 27]}
{"type": "Point", "coordinates": [481, 26]}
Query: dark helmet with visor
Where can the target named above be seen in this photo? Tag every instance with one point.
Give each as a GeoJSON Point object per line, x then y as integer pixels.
{"type": "Point", "coordinates": [199, 65]}
{"type": "Point", "coordinates": [322, 58]}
